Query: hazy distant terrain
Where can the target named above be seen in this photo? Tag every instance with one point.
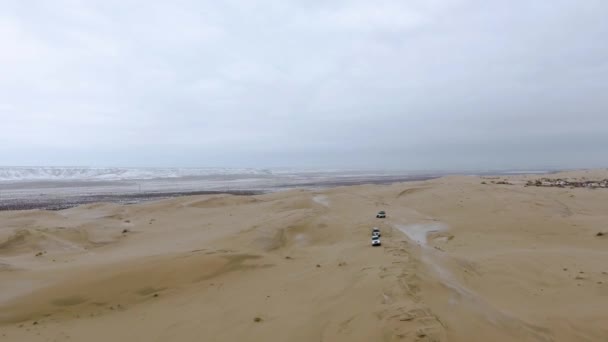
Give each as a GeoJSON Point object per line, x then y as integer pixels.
{"type": "Point", "coordinates": [61, 187]}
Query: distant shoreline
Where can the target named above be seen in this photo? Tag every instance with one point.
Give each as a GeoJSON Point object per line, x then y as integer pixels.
{"type": "Point", "coordinates": [70, 202]}
{"type": "Point", "coordinates": [61, 202]}
{"type": "Point", "coordinates": [64, 194]}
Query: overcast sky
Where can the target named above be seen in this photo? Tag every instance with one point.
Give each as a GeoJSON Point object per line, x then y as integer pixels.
{"type": "Point", "coordinates": [374, 84]}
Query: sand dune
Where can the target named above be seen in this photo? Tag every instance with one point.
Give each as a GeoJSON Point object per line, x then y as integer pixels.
{"type": "Point", "coordinates": [460, 261]}
{"type": "Point", "coordinates": [222, 201]}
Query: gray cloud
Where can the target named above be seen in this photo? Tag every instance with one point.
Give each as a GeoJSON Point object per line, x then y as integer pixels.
{"type": "Point", "coordinates": [416, 84]}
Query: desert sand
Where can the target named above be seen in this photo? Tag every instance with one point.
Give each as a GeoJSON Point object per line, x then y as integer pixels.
{"type": "Point", "coordinates": [459, 261]}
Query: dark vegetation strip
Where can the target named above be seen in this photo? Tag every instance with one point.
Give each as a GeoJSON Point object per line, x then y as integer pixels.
{"type": "Point", "coordinates": [60, 203]}
{"type": "Point", "coordinates": [50, 202]}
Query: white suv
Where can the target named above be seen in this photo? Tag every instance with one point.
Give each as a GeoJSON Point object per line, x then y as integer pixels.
{"type": "Point", "coordinates": [376, 232]}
